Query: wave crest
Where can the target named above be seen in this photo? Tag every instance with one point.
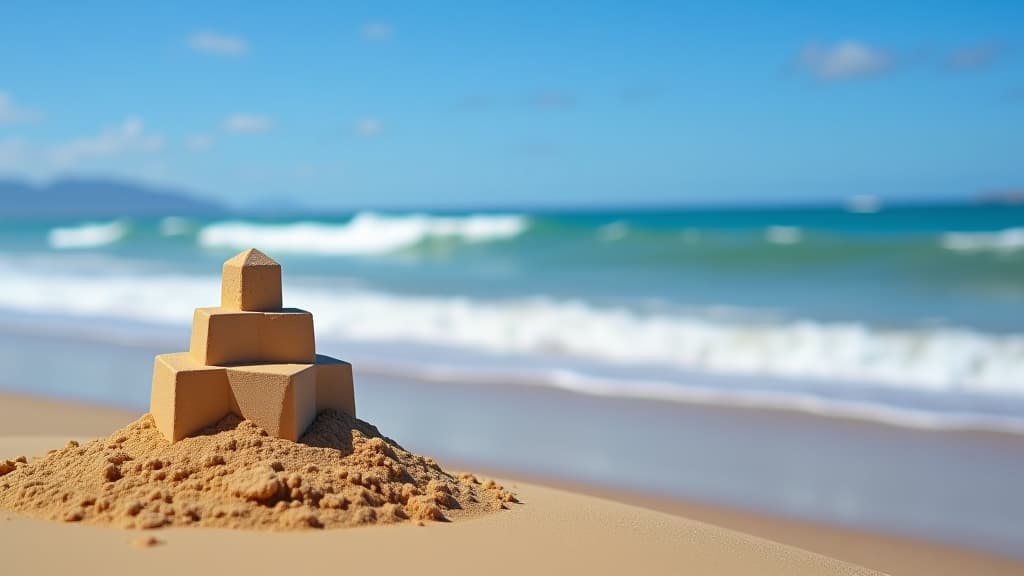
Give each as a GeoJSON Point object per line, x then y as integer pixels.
{"type": "Point", "coordinates": [367, 233]}
{"type": "Point", "coordinates": [934, 360]}
{"type": "Point", "coordinates": [87, 235]}
{"type": "Point", "coordinates": [1009, 240]}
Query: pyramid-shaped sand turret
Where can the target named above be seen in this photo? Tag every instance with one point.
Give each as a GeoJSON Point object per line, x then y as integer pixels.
{"type": "Point", "coordinates": [251, 357]}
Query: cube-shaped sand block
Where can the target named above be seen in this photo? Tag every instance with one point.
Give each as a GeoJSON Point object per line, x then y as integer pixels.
{"type": "Point", "coordinates": [280, 398]}
{"type": "Point", "coordinates": [251, 281]}
{"type": "Point", "coordinates": [334, 388]}
{"type": "Point", "coordinates": [224, 337]}
{"type": "Point", "coordinates": [286, 337]}
{"type": "Point", "coordinates": [187, 396]}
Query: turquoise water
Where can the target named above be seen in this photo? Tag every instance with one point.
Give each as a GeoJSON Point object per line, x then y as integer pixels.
{"type": "Point", "coordinates": [909, 314]}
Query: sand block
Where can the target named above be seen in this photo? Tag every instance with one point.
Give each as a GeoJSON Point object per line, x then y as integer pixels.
{"type": "Point", "coordinates": [222, 336]}
{"type": "Point", "coordinates": [286, 337]}
{"type": "Point", "coordinates": [280, 398]}
{"type": "Point", "coordinates": [186, 395]}
{"type": "Point", "coordinates": [251, 281]}
{"type": "Point", "coordinates": [334, 388]}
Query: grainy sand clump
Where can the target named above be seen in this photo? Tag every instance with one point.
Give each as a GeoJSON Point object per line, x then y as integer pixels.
{"type": "Point", "coordinates": [343, 472]}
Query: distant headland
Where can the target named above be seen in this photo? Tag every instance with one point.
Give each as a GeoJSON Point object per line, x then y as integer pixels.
{"type": "Point", "coordinates": [98, 197]}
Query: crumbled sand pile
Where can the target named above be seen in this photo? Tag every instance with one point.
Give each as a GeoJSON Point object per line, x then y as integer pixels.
{"type": "Point", "coordinates": [232, 475]}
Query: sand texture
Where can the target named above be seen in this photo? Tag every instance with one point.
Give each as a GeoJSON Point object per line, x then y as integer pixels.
{"type": "Point", "coordinates": [553, 531]}
{"type": "Point", "coordinates": [233, 475]}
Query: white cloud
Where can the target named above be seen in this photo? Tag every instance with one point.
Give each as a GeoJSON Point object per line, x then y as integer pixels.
{"type": "Point", "coordinates": [247, 124]}
{"type": "Point", "coordinates": [377, 31]}
{"type": "Point", "coordinates": [129, 136]}
{"type": "Point", "coordinates": [199, 142]}
{"type": "Point", "coordinates": [849, 59]}
{"type": "Point", "coordinates": [369, 126]}
{"type": "Point", "coordinates": [210, 42]}
{"type": "Point", "coordinates": [11, 113]}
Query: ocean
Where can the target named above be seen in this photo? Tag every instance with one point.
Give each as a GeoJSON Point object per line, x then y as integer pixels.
{"type": "Point", "coordinates": [911, 315]}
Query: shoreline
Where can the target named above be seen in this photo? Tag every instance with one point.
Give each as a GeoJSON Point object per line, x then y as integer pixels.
{"type": "Point", "coordinates": [953, 487]}
{"type": "Point", "coordinates": [884, 552]}
{"type": "Point", "coordinates": [775, 463]}
{"type": "Point", "coordinates": [26, 416]}
{"type": "Point", "coordinates": [712, 390]}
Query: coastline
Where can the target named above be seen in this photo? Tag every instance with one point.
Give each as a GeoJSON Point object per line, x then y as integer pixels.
{"type": "Point", "coordinates": [883, 552]}
{"type": "Point", "coordinates": [33, 420]}
{"type": "Point", "coordinates": [950, 486]}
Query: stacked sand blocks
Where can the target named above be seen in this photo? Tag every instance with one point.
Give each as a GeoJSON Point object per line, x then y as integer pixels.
{"type": "Point", "coordinates": [251, 357]}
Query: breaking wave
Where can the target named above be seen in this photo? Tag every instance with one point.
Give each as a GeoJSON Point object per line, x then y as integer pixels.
{"type": "Point", "coordinates": [367, 233]}
{"type": "Point", "coordinates": [783, 234]}
{"type": "Point", "coordinates": [934, 360]}
{"type": "Point", "coordinates": [1009, 240]}
{"type": "Point", "coordinates": [88, 235]}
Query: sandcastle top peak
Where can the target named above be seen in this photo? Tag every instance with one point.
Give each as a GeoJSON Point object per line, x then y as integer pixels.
{"type": "Point", "coordinates": [251, 257]}
{"type": "Point", "coordinates": [251, 282]}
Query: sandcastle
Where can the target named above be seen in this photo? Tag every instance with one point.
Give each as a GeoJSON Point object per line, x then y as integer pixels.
{"type": "Point", "coordinates": [250, 357]}
{"type": "Point", "coordinates": [220, 446]}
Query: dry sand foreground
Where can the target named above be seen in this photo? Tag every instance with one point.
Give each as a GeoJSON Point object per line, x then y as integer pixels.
{"type": "Point", "coordinates": [551, 531]}
{"type": "Point", "coordinates": [554, 530]}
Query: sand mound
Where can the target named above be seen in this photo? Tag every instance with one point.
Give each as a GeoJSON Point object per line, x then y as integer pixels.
{"type": "Point", "coordinates": [232, 475]}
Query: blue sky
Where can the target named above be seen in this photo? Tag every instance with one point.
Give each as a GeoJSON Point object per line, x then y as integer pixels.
{"type": "Point", "coordinates": [519, 103]}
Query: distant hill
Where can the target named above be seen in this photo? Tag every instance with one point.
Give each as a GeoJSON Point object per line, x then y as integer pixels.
{"type": "Point", "coordinates": [97, 198]}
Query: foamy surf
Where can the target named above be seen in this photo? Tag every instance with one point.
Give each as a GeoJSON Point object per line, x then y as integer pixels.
{"type": "Point", "coordinates": [367, 233]}
{"type": "Point", "coordinates": [783, 235]}
{"type": "Point", "coordinates": [88, 235]}
{"type": "Point", "coordinates": [911, 309]}
{"type": "Point", "coordinates": [847, 363]}
{"type": "Point", "coordinates": [877, 407]}
{"type": "Point", "coordinates": [1009, 240]}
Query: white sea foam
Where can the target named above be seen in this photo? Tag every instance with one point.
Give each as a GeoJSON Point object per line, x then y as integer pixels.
{"type": "Point", "coordinates": [613, 232]}
{"type": "Point", "coordinates": [877, 410]}
{"type": "Point", "coordinates": [87, 235]}
{"type": "Point", "coordinates": [1009, 240]}
{"type": "Point", "coordinates": [933, 361]}
{"type": "Point", "coordinates": [783, 234]}
{"type": "Point", "coordinates": [367, 233]}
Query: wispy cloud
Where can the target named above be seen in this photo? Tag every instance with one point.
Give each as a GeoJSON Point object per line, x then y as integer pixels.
{"type": "Point", "coordinates": [377, 32]}
{"type": "Point", "coordinates": [843, 61]}
{"type": "Point", "coordinates": [211, 42]}
{"type": "Point", "coordinates": [129, 136]}
{"type": "Point", "coordinates": [247, 124]}
{"type": "Point", "coordinates": [12, 113]}
{"type": "Point", "coordinates": [199, 142]}
{"type": "Point", "coordinates": [553, 99]}
{"type": "Point", "coordinates": [369, 126]}
{"type": "Point", "coordinates": [974, 57]}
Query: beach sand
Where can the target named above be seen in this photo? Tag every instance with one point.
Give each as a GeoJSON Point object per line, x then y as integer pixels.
{"type": "Point", "coordinates": [959, 488]}
{"type": "Point", "coordinates": [552, 530]}
{"type": "Point", "coordinates": [565, 528]}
